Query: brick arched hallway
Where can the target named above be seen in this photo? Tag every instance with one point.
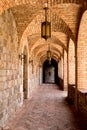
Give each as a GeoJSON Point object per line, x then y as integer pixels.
{"type": "Point", "coordinates": [47, 109]}
{"type": "Point", "coordinates": [23, 54]}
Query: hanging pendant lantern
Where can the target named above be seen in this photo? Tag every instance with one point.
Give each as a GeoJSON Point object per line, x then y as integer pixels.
{"type": "Point", "coordinates": [46, 26]}
{"type": "Point", "coordinates": [46, 30]}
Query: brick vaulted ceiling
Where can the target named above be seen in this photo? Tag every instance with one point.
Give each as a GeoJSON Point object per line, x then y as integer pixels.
{"type": "Point", "coordinates": [28, 14]}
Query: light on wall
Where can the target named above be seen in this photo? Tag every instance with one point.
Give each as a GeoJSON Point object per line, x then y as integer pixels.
{"type": "Point", "coordinates": [22, 57]}
{"type": "Point", "coordinates": [30, 60]}
{"type": "Point", "coordinates": [46, 26]}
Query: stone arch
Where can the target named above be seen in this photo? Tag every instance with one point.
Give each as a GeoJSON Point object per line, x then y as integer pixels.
{"type": "Point", "coordinates": [82, 54]}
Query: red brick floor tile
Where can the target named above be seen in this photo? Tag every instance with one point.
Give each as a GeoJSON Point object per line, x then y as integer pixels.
{"type": "Point", "coordinates": [46, 110]}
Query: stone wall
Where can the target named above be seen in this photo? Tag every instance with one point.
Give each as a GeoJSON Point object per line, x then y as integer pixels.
{"type": "Point", "coordinates": [81, 99]}
{"type": "Point", "coordinates": [71, 93]}
{"type": "Point", "coordinates": [10, 74]}
{"type": "Point", "coordinates": [34, 77]}
{"type": "Point", "coordinates": [82, 102]}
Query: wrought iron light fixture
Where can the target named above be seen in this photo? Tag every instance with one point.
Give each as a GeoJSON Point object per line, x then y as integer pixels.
{"type": "Point", "coordinates": [30, 60]}
{"type": "Point", "coordinates": [46, 26]}
{"type": "Point", "coordinates": [22, 57]}
{"type": "Point", "coordinates": [49, 55]}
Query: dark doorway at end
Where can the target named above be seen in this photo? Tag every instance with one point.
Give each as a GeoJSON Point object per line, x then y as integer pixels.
{"type": "Point", "coordinates": [50, 72]}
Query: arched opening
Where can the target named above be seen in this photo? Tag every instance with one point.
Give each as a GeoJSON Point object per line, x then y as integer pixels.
{"type": "Point", "coordinates": [25, 75]}
{"type": "Point", "coordinates": [50, 72]}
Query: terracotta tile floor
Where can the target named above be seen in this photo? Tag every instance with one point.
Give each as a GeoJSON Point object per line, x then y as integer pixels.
{"type": "Point", "coordinates": [46, 110]}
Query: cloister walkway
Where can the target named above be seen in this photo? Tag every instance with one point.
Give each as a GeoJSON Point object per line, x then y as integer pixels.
{"type": "Point", "coordinates": [46, 110]}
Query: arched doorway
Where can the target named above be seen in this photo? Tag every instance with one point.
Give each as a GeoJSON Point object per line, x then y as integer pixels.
{"type": "Point", "coordinates": [50, 72]}
{"type": "Point", "coordinates": [25, 75]}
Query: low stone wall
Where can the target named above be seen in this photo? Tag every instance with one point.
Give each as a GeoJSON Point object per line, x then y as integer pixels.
{"type": "Point", "coordinates": [60, 83]}
{"type": "Point", "coordinates": [82, 101]}
{"type": "Point", "coordinates": [71, 93]}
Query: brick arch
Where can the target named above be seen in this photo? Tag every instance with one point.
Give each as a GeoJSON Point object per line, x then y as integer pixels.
{"type": "Point", "coordinates": [41, 53]}
{"type": "Point", "coordinates": [82, 54]}
{"type": "Point", "coordinates": [54, 40]}
{"type": "Point", "coordinates": [43, 59]}
{"type": "Point", "coordinates": [55, 2]}
{"type": "Point", "coordinates": [6, 4]}
{"type": "Point", "coordinates": [45, 55]}
{"type": "Point", "coordinates": [42, 48]}
{"type": "Point", "coordinates": [35, 29]}
{"type": "Point", "coordinates": [61, 26]}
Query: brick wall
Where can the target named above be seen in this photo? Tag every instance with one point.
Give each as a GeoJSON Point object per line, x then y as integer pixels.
{"type": "Point", "coordinates": [82, 54]}
{"type": "Point", "coordinates": [65, 70]}
{"type": "Point", "coordinates": [71, 63]}
{"type": "Point", "coordinates": [60, 68]}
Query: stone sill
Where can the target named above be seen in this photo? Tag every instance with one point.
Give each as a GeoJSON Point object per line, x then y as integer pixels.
{"type": "Point", "coordinates": [83, 91]}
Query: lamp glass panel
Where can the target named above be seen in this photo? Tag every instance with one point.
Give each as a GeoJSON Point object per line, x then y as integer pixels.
{"type": "Point", "coordinates": [43, 30]}
{"type": "Point", "coordinates": [48, 54]}
{"type": "Point", "coordinates": [46, 29]}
